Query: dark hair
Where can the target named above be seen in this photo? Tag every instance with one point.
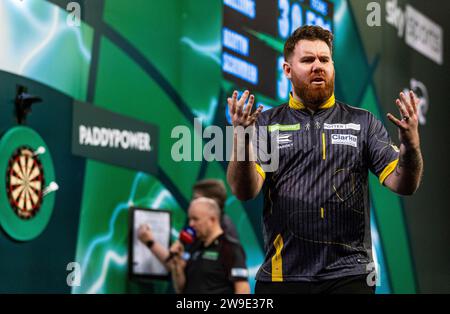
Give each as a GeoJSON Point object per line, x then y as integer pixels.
{"type": "Point", "coordinates": [307, 32]}
{"type": "Point", "coordinates": [212, 188]}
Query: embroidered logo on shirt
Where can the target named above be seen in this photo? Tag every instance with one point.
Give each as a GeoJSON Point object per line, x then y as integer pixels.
{"type": "Point", "coordinates": [284, 141]}
{"type": "Point", "coordinates": [210, 255]}
{"type": "Point", "coordinates": [285, 127]}
{"type": "Point", "coordinates": [195, 255]}
{"type": "Point", "coordinates": [344, 139]}
{"type": "Point", "coordinates": [349, 126]}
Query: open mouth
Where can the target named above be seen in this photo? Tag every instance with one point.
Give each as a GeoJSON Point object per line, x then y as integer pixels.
{"type": "Point", "coordinates": [318, 80]}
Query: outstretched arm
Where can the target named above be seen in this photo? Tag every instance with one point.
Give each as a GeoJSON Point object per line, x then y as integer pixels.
{"type": "Point", "coordinates": [145, 235]}
{"type": "Point", "coordinates": [406, 178]}
{"type": "Point", "coordinates": [171, 259]}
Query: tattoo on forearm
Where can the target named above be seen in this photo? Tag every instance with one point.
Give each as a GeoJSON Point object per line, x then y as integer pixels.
{"type": "Point", "coordinates": [410, 160]}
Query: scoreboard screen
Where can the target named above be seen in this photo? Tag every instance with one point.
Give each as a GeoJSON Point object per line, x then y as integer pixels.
{"type": "Point", "coordinates": [253, 36]}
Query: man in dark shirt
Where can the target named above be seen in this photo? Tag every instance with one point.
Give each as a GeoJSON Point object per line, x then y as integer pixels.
{"type": "Point", "coordinates": [316, 205]}
{"type": "Point", "coordinates": [215, 263]}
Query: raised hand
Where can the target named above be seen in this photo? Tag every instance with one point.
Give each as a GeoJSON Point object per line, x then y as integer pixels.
{"type": "Point", "coordinates": [239, 115]}
{"type": "Point", "coordinates": [408, 125]}
{"type": "Point", "coordinates": [145, 233]}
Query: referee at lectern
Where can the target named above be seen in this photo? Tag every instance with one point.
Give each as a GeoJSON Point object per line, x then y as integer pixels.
{"type": "Point", "coordinates": [213, 264]}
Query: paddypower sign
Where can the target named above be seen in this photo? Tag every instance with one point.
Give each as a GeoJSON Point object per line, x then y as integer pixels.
{"type": "Point", "coordinates": [113, 138]}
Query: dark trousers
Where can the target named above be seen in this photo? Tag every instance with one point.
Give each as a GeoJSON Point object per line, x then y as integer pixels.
{"type": "Point", "coordinates": [344, 285]}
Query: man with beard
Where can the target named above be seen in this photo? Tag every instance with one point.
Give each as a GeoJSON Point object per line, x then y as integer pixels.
{"type": "Point", "coordinates": [316, 218]}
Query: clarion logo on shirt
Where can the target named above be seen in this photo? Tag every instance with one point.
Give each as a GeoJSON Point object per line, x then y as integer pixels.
{"type": "Point", "coordinates": [349, 126]}
{"type": "Point", "coordinates": [239, 272]}
{"type": "Point", "coordinates": [344, 139]}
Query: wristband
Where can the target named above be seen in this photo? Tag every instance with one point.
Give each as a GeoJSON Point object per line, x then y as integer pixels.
{"type": "Point", "coordinates": [149, 243]}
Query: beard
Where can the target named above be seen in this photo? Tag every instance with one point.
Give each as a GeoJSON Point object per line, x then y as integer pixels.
{"type": "Point", "coordinates": [311, 94]}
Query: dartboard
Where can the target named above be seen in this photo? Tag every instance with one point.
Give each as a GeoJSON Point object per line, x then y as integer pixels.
{"type": "Point", "coordinates": [25, 182]}
{"type": "Point", "coordinates": [25, 161]}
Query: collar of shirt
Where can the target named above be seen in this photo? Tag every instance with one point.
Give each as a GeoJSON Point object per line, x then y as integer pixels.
{"type": "Point", "coordinates": [298, 105]}
{"type": "Point", "coordinates": [214, 242]}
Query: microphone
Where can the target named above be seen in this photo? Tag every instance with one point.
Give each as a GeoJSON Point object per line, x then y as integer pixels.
{"type": "Point", "coordinates": [187, 237]}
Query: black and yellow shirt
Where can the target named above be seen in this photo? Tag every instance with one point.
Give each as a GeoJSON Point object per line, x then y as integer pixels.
{"type": "Point", "coordinates": [316, 219]}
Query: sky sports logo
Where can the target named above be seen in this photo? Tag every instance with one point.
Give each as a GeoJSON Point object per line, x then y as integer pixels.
{"type": "Point", "coordinates": [344, 139]}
